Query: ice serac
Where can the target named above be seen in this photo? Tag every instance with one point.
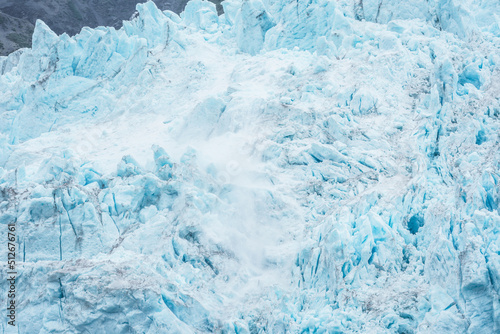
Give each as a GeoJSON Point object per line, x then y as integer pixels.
{"type": "Point", "coordinates": [460, 17]}
{"type": "Point", "coordinates": [201, 14]}
{"type": "Point", "coordinates": [59, 72]}
{"type": "Point", "coordinates": [302, 23]}
{"type": "Point", "coordinates": [289, 166]}
{"type": "Point", "coordinates": [253, 21]}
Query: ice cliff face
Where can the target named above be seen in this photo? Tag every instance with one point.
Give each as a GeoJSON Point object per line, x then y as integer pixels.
{"type": "Point", "coordinates": [69, 16]}
{"type": "Point", "coordinates": [17, 18]}
{"type": "Point", "coordinates": [289, 166]}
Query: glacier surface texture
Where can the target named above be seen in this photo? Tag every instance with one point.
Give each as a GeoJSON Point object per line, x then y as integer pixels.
{"type": "Point", "coordinates": [305, 166]}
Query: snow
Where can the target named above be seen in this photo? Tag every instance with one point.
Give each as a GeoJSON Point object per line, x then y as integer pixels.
{"type": "Point", "coordinates": [307, 166]}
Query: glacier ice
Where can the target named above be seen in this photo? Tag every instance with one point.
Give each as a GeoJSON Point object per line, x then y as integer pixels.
{"type": "Point", "coordinates": [252, 22]}
{"type": "Point", "coordinates": [289, 166]}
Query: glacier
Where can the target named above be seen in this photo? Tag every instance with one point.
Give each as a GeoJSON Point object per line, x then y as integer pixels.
{"type": "Point", "coordinates": [297, 166]}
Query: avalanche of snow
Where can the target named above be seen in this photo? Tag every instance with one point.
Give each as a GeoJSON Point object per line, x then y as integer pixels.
{"type": "Point", "coordinates": [306, 166]}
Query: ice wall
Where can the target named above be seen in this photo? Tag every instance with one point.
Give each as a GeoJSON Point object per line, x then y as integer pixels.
{"type": "Point", "coordinates": [289, 166]}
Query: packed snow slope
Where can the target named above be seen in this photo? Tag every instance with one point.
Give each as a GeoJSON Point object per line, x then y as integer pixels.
{"type": "Point", "coordinates": [306, 166]}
